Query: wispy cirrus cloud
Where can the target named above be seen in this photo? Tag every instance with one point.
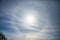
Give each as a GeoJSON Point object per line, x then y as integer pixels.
{"type": "Point", "coordinates": [12, 23]}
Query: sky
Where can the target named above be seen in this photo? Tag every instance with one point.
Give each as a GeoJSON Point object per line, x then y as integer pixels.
{"type": "Point", "coordinates": [30, 19]}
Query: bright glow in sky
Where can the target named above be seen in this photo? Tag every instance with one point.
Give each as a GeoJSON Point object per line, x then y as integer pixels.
{"type": "Point", "coordinates": [29, 19]}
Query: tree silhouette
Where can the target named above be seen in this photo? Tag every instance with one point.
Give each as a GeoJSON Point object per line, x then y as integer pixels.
{"type": "Point", "coordinates": [2, 36]}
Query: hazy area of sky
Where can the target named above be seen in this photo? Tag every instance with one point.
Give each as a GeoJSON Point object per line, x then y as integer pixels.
{"type": "Point", "coordinates": [45, 14]}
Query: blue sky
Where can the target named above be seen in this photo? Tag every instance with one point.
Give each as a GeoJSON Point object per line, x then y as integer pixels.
{"type": "Point", "coordinates": [46, 13]}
